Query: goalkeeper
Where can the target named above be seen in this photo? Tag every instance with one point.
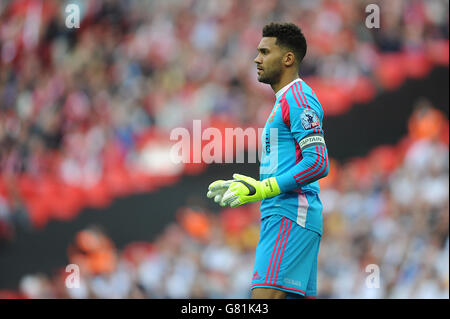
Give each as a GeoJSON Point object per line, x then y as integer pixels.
{"type": "Point", "coordinates": [294, 158]}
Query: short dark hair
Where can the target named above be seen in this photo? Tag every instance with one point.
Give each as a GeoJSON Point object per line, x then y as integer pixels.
{"type": "Point", "coordinates": [288, 36]}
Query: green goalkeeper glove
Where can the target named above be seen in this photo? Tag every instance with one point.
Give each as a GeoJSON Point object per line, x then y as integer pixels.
{"type": "Point", "coordinates": [217, 189]}
{"type": "Point", "coordinates": [245, 189]}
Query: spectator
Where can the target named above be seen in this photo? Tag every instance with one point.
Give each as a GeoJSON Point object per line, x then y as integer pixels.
{"type": "Point", "coordinates": [75, 106]}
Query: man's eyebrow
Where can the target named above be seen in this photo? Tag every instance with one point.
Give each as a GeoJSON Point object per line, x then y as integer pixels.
{"type": "Point", "coordinates": [263, 48]}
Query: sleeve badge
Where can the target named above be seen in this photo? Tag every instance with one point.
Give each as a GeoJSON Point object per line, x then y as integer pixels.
{"type": "Point", "coordinates": [309, 119]}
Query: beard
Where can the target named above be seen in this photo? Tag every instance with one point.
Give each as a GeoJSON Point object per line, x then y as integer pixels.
{"type": "Point", "coordinates": [270, 76]}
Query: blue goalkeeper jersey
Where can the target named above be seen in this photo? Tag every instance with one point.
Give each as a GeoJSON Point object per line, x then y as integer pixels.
{"type": "Point", "coordinates": [294, 152]}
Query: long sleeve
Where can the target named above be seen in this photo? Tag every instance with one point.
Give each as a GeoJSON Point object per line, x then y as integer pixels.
{"type": "Point", "coordinates": [303, 115]}
{"type": "Point", "coordinates": [312, 167]}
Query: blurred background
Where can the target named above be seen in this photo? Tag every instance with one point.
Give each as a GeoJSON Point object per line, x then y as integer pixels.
{"type": "Point", "coordinates": [85, 120]}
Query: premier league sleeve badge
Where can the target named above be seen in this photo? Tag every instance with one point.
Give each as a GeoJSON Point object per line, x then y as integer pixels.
{"type": "Point", "coordinates": [309, 119]}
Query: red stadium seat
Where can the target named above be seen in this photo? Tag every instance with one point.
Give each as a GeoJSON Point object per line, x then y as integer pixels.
{"type": "Point", "coordinates": [363, 91]}
{"type": "Point", "coordinates": [416, 64]}
{"type": "Point", "coordinates": [390, 71]}
{"type": "Point", "coordinates": [234, 220]}
{"type": "Point", "coordinates": [438, 52]}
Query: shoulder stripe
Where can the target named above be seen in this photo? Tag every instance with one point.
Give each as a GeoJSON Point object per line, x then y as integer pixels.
{"type": "Point", "coordinates": [284, 105]}
{"type": "Point", "coordinates": [295, 96]}
{"type": "Point", "coordinates": [301, 90]}
{"type": "Point", "coordinates": [304, 96]}
{"type": "Point", "coordinates": [304, 102]}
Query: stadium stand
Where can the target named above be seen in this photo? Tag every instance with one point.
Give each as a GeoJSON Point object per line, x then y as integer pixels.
{"type": "Point", "coordinates": [82, 110]}
{"type": "Point", "coordinates": [394, 201]}
{"type": "Point", "coordinates": [85, 115]}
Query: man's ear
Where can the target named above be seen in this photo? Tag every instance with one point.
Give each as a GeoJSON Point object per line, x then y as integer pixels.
{"type": "Point", "coordinates": [289, 59]}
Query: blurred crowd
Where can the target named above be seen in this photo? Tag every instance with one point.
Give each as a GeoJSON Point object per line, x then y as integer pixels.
{"type": "Point", "coordinates": [386, 235]}
{"type": "Point", "coordinates": [75, 104]}
{"type": "Point", "coordinates": [391, 210]}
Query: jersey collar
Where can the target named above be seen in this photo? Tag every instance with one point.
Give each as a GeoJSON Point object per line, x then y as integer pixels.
{"type": "Point", "coordinates": [285, 88]}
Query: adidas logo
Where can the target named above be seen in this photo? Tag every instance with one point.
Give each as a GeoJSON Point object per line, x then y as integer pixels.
{"type": "Point", "coordinates": [256, 275]}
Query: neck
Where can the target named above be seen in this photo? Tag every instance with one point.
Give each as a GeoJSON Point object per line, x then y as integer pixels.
{"type": "Point", "coordinates": [285, 79]}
